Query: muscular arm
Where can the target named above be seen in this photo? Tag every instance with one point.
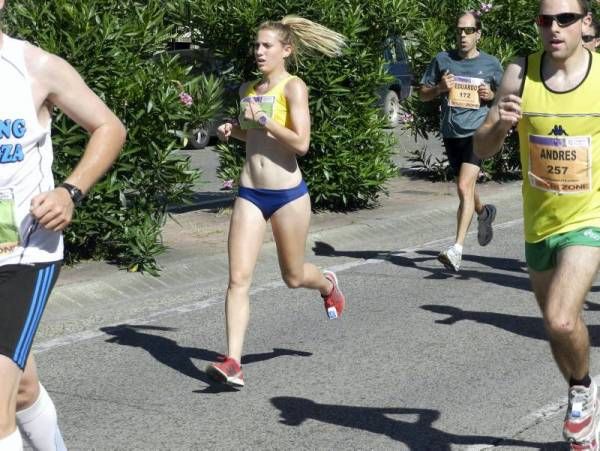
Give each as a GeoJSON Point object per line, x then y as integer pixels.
{"type": "Point", "coordinates": [504, 114]}
{"type": "Point", "coordinates": [65, 88]}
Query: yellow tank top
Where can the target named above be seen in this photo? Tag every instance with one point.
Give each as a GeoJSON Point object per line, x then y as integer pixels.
{"type": "Point", "coordinates": [272, 102]}
{"type": "Point", "coordinates": [559, 137]}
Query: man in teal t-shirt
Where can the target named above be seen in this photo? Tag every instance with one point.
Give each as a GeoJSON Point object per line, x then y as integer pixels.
{"type": "Point", "coordinates": [465, 79]}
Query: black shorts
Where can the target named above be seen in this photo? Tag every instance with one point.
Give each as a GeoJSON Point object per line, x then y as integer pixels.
{"type": "Point", "coordinates": [459, 151]}
{"type": "Point", "coordinates": [24, 291]}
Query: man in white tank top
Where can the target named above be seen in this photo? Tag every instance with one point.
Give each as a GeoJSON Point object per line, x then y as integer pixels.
{"type": "Point", "coordinates": [33, 213]}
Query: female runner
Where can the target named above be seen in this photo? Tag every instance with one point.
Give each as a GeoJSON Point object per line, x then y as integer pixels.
{"type": "Point", "coordinates": [275, 124]}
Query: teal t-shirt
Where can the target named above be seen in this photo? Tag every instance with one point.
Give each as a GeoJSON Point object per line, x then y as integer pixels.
{"type": "Point", "coordinates": [462, 119]}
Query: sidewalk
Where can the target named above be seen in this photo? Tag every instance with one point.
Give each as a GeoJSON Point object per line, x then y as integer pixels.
{"type": "Point", "coordinates": [199, 230]}
{"type": "Point", "coordinates": [202, 226]}
{"type": "Point", "coordinates": [97, 293]}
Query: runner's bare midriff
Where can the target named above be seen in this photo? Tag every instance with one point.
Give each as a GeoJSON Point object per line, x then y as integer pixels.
{"type": "Point", "coordinates": [269, 164]}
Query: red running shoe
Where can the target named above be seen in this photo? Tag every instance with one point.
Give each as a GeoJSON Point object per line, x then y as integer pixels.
{"type": "Point", "coordinates": [334, 302]}
{"type": "Point", "coordinates": [228, 372]}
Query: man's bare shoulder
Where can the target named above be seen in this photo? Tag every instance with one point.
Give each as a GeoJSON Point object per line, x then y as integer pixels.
{"type": "Point", "coordinates": [45, 67]}
{"type": "Point", "coordinates": [36, 59]}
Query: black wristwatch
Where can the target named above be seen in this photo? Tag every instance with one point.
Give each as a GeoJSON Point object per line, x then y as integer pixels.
{"type": "Point", "coordinates": [74, 192]}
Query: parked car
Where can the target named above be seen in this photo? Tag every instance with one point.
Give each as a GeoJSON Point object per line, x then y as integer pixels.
{"type": "Point", "coordinates": [397, 65]}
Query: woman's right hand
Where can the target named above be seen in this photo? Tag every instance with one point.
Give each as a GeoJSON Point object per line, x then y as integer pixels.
{"type": "Point", "coordinates": [224, 131]}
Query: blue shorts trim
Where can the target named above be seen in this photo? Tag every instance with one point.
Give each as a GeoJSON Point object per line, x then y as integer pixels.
{"type": "Point", "coordinates": [269, 201]}
{"type": "Point", "coordinates": [38, 303]}
{"type": "Point", "coordinates": [24, 292]}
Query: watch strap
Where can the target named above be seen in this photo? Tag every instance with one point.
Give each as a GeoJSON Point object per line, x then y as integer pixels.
{"type": "Point", "coordinates": [74, 192]}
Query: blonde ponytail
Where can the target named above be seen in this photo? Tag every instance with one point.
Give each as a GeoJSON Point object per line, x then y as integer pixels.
{"type": "Point", "coordinates": [306, 36]}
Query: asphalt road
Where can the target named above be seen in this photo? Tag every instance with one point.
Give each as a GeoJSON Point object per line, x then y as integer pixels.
{"type": "Point", "coordinates": [422, 359]}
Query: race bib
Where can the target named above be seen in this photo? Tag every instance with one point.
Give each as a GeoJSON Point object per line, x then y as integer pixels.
{"type": "Point", "coordinates": [265, 103]}
{"type": "Point", "coordinates": [465, 93]}
{"type": "Point", "coordinates": [560, 164]}
{"type": "Point", "coordinates": [9, 231]}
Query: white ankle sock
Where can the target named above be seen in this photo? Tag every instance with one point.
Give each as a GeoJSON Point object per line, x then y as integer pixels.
{"type": "Point", "coordinates": [39, 425]}
{"type": "Point", "coordinates": [458, 248]}
{"type": "Point", "coordinates": [12, 442]}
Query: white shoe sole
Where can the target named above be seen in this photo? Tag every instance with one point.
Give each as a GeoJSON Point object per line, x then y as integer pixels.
{"type": "Point", "coordinates": [447, 263]}
{"type": "Point", "coordinates": [220, 376]}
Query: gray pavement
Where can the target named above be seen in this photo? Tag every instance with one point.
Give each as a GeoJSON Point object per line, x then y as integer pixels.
{"type": "Point", "coordinates": [422, 359]}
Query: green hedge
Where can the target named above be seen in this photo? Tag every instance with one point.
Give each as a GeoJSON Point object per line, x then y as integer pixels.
{"type": "Point", "coordinates": [349, 159]}
{"type": "Point", "coordinates": [114, 45]}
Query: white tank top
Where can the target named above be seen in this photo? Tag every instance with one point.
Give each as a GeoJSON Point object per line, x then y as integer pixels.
{"type": "Point", "coordinates": [25, 164]}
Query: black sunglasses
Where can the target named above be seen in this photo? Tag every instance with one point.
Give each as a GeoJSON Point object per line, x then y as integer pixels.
{"type": "Point", "coordinates": [467, 30]}
{"type": "Point", "coordinates": [588, 37]}
{"type": "Point", "coordinates": [562, 19]}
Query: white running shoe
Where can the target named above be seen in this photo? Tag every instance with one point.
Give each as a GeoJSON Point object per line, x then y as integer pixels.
{"type": "Point", "coordinates": [581, 421]}
{"type": "Point", "coordinates": [450, 258]}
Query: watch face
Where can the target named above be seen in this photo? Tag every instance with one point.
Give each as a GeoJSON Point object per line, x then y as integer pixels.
{"type": "Point", "coordinates": [76, 195]}
{"type": "Point", "coordinates": [74, 192]}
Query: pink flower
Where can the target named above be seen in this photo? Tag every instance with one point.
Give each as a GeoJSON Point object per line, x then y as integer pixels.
{"type": "Point", "coordinates": [185, 98]}
{"type": "Point", "coordinates": [485, 7]}
{"type": "Point", "coordinates": [228, 184]}
{"type": "Point", "coordinates": [406, 118]}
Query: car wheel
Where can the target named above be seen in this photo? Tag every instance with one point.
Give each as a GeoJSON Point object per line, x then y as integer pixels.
{"type": "Point", "coordinates": [199, 138]}
{"type": "Point", "coordinates": [391, 108]}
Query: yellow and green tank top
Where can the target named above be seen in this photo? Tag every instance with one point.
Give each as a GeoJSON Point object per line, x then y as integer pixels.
{"type": "Point", "coordinates": [559, 137]}
{"type": "Point", "coordinates": [272, 102]}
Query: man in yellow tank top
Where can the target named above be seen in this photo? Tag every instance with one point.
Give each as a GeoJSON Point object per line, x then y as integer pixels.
{"type": "Point", "coordinates": [553, 98]}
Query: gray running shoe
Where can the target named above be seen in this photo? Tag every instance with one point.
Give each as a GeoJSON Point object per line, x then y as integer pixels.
{"type": "Point", "coordinates": [581, 421]}
{"type": "Point", "coordinates": [485, 233]}
{"type": "Point", "coordinates": [450, 258]}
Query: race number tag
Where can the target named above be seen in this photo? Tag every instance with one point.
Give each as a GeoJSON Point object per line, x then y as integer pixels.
{"type": "Point", "coordinates": [560, 164]}
{"type": "Point", "coordinates": [265, 103]}
{"type": "Point", "coordinates": [9, 231]}
{"type": "Point", "coordinates": [465, 93]}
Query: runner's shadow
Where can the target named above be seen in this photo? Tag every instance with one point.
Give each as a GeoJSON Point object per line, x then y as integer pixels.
{"type": "Point", "coordinates": [437, 271]}
{"type": "Point", "coordinates": [503, 263]}
{"type": "Point", "coordinates": [494, 277]}
{"type": "Point", "coordinates": [327, 250]}
{"type": "Point", "coordinates": [525, 326]}
{"type": "Point", "coordinates": [179, 358]}
{"type": "Point", "coordinates": [506, 264]}
{"type": "Point", "coordinates": [415, 432]}
{"type": "Point", "coordinates": [591, 306]}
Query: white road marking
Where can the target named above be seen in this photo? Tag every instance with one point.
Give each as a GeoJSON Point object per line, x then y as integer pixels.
{"type": "Point", "coordinates": [67, 340]}
{"type": "Point", "coordinates": [524, 424]}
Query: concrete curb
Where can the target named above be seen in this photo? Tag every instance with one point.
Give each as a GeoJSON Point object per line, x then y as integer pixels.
{"type": "Point", "coordinates": [95, 293]}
